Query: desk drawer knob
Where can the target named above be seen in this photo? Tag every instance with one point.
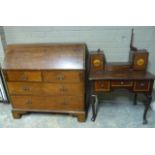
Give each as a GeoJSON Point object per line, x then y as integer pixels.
{"type": "Point", "coordinates": [102, 85]}
{"type": "Point", "coordinates": [122, 83]}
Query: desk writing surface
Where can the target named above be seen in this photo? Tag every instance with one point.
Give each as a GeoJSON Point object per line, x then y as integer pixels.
{"type": "Point", "coordinates": [130, 75]}
{"type": "Point", "coordinates": [45, 56]}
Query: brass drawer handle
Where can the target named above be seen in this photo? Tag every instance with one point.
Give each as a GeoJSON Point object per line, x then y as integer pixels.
{"type": "Point", "coordinates": [65, 101]}
{"type": "Point", "coordinates": [63, 89]}
{"type": "Point", "coordinates": [142, 84]}
{"type": "Point", "coordinates": [29, 101]}
{"type": "Point", "coordinates": [23, 77]}
{"type": "Point", "coordinates": [122, 82]}
{"type": "Point", "coordinates": [102, 85]}
{"type": "Point", "coordinates": [25, 88]}
{"type": "Point", "coordinates": [60, 77]}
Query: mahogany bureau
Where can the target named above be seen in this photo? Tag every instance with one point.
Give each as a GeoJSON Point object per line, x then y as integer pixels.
{"type": "Point", "coordinates": [46, 78]}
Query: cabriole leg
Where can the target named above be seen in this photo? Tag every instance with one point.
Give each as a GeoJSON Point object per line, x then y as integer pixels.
{"type": "Point", "coordinates": [147, 105]}
{"type": "Point", "coordinates": [94, 107]}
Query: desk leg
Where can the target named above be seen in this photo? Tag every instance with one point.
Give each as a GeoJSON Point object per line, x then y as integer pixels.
{"type": "Point", "coordinates": [147, 105]}
{"type": "Point", "coordinates": [135, 99]}
{"type": "Point", "coordinates": [94, 107]}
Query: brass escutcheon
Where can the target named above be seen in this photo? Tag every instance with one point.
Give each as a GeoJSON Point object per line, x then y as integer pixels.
{"type": "Point", "coordinates": [97, 62]}
{"type": "Point", "coordinates": [140, 62]}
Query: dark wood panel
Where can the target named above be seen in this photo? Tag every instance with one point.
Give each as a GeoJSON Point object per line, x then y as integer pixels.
{"type": "Point", "coordinates": [102, 85]}
{"type": "Point", "coordinates": [121, 83]}
{"type": "Point", "coordinates": [117, 67]}
{"type": "Point", "coordinates": [142, 85]}
{"type": "Point", "coordinates": [130, 75]}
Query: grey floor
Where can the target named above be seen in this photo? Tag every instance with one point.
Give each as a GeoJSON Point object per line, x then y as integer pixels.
{"type": "Point", "coordinates": [115, 111]}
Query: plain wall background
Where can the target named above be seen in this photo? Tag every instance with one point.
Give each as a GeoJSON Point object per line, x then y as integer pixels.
{"type": "Point", "coordinates": [2, 43]}
{"type": "Point", "coordinates": [113, 40]}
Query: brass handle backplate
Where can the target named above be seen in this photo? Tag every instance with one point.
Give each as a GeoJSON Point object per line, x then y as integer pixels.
{"type": "Point", "coordinates": [29, 101]}
{"type": "Point", "coordinates": [25, 88]}
{"type": "Point", "coordinates": [60, 77]}
{"type": "Point", "coordinates": [23, 77]}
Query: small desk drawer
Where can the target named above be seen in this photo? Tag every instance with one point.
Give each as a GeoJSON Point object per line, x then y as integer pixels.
{"type": "Point", "coordinates": [23, 76]}
{"type": "Point", "coordinates": [102, 85]}
{"type": "Point", "coordinates": [48, 103]}
{"type": "Point", "coordinates": [121, 83]}
{"type": "Point", "coordinates": [63, 76]}
{"type": "Point", "coordinates": [142, 85]}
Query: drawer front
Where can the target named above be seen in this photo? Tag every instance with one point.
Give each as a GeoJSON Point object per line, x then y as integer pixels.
{"type": "Point", "coordinates": [102, 85]}
{"type": "Point", "coordinates": [121, 83]}
{"type": "Point", "coordinates": [23, 76]}
{"type": "Point", "coordinates": [25, 88]}
{"type": "Point", "coordinates": [64, 89]}
{"type": "Point", "coordinates": [48, 103]}
{"type": "Point", "coordinates": [142, 85]}
{"type": "Point", "coordinates": [63, 76]}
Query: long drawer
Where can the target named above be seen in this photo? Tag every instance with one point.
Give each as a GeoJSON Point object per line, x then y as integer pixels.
{"type": "Point", "coordinates": [25, 88]}
{"type": "Point", "coordinates": [48, 103]}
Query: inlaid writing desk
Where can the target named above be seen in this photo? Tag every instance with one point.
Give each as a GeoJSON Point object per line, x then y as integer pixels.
{"type": "Point", "coordinates": [135, 81]}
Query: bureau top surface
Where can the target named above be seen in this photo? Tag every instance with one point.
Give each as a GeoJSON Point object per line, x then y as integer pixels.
{"type": "Point", "coordinates": [45, 57]}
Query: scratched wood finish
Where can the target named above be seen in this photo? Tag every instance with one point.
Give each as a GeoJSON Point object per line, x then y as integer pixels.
{"type": "Point", "coordinates": [46, 78]}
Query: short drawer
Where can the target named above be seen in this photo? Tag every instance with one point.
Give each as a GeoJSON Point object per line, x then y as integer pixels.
{"type": "Point", "coordinates": [23, 76]}
{"type": "Point", "coordinates": [142, 85]}
{"type": "Point", "coordinates": [63, 76]}
{"type": "Point", "coordinates": [25, 88]}
{"type": "Point", "coordinates": [102, 85]}
{"type": "Point", "coordinates": [48, 103]}
{"type": "Point", "coordinates": [121, 83]}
